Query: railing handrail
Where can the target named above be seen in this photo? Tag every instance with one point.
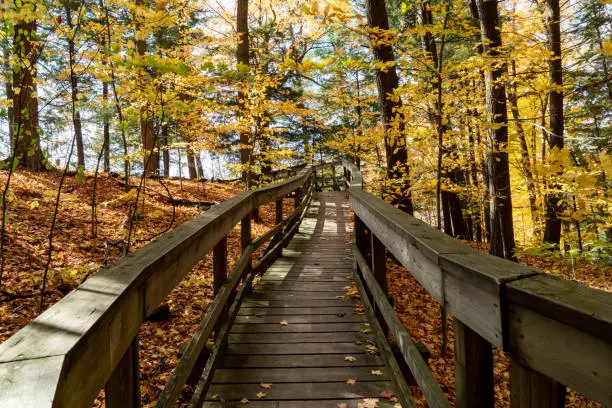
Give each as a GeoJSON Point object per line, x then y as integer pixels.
{"type": "Point", "coordinates": [556, 327]}
{"type": "Point", "coordinates": [64, 357]}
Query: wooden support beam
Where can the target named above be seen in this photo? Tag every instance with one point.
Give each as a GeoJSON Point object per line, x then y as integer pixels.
{"type": "Point", "coordinates": [473, 369]}
{"type": "Point", "coordinates": [379, 269]}
{"type": "Point", "coordinates": [245, 239]}
{"type": "Point", "coordinates": [219, 271]}
{"type": "Point", "coordinates": [123, 387]}
{"type": "Point", "coordinates": [530, 389]}
{"type": "Point", "coordinates": [279, 211]}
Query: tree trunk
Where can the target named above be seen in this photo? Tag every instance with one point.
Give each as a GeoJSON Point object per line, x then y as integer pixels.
{"type": "Point", "coordinates": [8, 86]}
{"type": "Point", "coordinates": [552, 231]}
{"type": "Point", "coordinates": [242, 58]}
{"type": "Point", "coordinates": [525, 158]}
{"type": "Point", "coordinates": [25, 103]}
{"type": "Point", "coordinates": [147, 135]}
{"type": "Point", "coordinates": [387, 81]}
{"type": "Point", "coordinates": [193, 173]}
{"type": "Point", "coordinates": [199, 166]}
{"type": "Point", "coordinates": [165, 152]}
{"type": "Point", "coordinates": [74, 88]}
{"type": "Point", "coordinates": [502, 229]}
{"type": "Point", "coordinates": [106, 128]}
{"type": "Point", "coordinates": [453, 221]}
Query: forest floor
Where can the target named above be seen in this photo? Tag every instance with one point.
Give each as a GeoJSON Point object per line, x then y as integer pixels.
{"type": "Point", "coordinates": [77, 254]}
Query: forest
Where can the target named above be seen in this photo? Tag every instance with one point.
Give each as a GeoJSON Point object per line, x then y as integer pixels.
{"type": "Point", "coordinates": [122, 119]}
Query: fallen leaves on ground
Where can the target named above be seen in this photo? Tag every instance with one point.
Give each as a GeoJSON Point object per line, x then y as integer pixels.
{"type": "Point", "coordinates": [349, 358]}
{"type": "Point", "coordinates": [351, 381]}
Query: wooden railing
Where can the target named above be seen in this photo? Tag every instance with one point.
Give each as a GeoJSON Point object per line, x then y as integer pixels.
{"type": "Point", "coordinates": [88, 340]}
{"type": "Point", "coordinates": [556, 331]}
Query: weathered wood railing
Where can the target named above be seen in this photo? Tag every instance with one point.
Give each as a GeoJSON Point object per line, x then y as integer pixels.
{"type": "Point", "coordinates": [556, 331]}
{"type": "Point", "coordinates": [88, 340]}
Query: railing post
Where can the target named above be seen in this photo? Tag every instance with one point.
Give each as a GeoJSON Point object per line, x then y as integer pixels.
{"type": "Point", "coordinates": [297, 197]}
{"type": "Point", "coordinates": [473, 369]}
{"type": "Point", "coordinates": [220, 272]}
{"type": "Point", "coordinates": [245, 240]}
{"type": "Point", "coordinates": [360, 236]}
{"type": "Point", "coordinates": [379, 269]}
{"type": "Point", "coordinates": [279, 211]}
{"type": "Point", "coordinates": [530, 389]}
{"type": "Point", "coordinates": [123, 387]}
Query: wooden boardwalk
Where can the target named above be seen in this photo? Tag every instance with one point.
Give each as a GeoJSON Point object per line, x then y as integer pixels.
{"type": "Point", "coordinates": [300, 339]}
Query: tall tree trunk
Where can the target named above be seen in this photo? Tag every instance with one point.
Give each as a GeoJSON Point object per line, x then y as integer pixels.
{"type": "Point", "coordinates": [193, 173]}
{"type": "Point", "coordinates": [552, 231]}
{"type": "Point", "coordinates": [199, 166]}
{"type": "Point", "coordinates": [74, 87]}
{"type": "Point", "coordinates": [165, 136]}
{"type": "Point", "coordinates": [387, 81]}
{"type": "Point", "coordinates": [502, 229]}
{"type": "Point", "coordinates": [106, 128]}
{"type": "Point", "coordinates": [25, 103]}
{"type": "Point", "coordinates": [8, 87]}
{"type": "Point", "coordinates": [147, 135]}
{"type": "Point", "coordinates": [525, 158]}
{"type": "Point", "coordinates": [242, 59]}
{"type": "Point", "coordinates": [449, 201]}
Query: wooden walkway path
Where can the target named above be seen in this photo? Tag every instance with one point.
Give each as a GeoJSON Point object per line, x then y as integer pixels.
{"type": "Point", "coordinates": [300, 339]}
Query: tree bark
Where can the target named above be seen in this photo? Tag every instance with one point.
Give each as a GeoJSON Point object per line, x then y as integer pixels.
{"type": "Point", "coordinates": [193, 173]}
{"type": "Point", "coordinates": [453, 221]}
{"type": "Point", "coordinates": [25, 101]}
{"type": "Point", "coordinates": [199, 166]}
{"type": "Point", "coordinates": [147, 135]}
{"type": "Point", "coordinates": [525, 158]}
{"type": "Point", "coordinates": [502, 229]}
{"type": "Point", "coordinates": [8, 88]}
{"type": "Point", "coordinates": [552, 230]}
{"type": "Point", "coordinates": [106, 129]}
{"type": "Point", "coordinates": [165, 134]}
{"type": "Point", "coordinates": [387, 81]}
{"type": "Point", "coordinates": [242, 59]}
{"type": "Point", "coordinates": [74, 87]}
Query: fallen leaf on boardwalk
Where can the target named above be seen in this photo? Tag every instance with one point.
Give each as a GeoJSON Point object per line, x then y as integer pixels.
{"type": "Point", "coordinates": [366, 331]}
{"type": "Point", "coordinates": [215, 397]}
{"type": "Point", "coordinates": [368, 403]}
{"type": "Point", "coordinates": [265, 385]}
{"type": "Point", "coordinates": [386, 394]}
{"type": "Point", "coordinates": [358, 342]}
{"type": "Point", "coordinates": [349, 358]}
{"type": "Point", "coordinates": [260, 395]}
{"type": "Point", "coordinates": [351, 381]}
{"type": "Point", "coordinates": [347, 288]}
{"type": "Point", "coordinates": [340, 314]}
{"type": "Point", "coordinates": [371, 349]}
{"type": "Point", "coordinates": [284, 323]}
{"type": "Point", "coordinates": [350, 277]}
{"type": "Point", "coordinates": [339, 297]}
{"type": "Point", "coordinates": [341, 405]}
{"type": "Point", "coordinates": [244, 401]}
{"type": "Point", "coordinates": [397, 405]}
{"type": "Point", "coordinates": [377, 372]}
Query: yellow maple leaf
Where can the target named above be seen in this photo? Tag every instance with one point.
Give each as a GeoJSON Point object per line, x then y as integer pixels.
{"type": "Point", "coordinates": [265, 385]}
{"type": "Point", "coordinates": [260, 395]}
{"type": "Point", "coordinates": [351, 381]}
